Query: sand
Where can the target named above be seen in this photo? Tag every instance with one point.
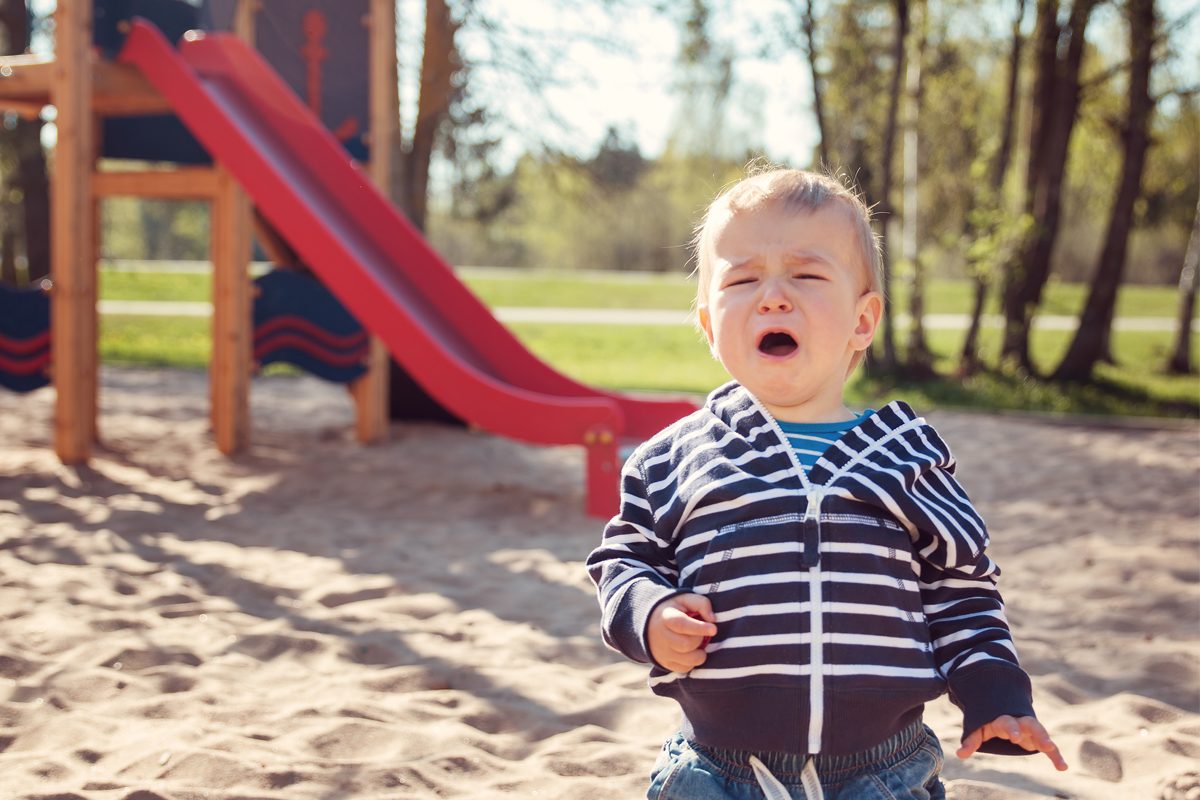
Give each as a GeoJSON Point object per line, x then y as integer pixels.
{"type": "Point", "coordinates": [320, 620]}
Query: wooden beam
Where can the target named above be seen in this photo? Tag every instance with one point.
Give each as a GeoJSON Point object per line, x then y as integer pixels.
{"type": "Point", "coordinates": [184, 183]}
{"type": "Point", "coordinates": [27, 77]}
{"type": "Point", "coordinates": [73, 265]}
{"type": "Point", "coordinates": [25, 109]}
{"type": "Point", "coordinates": [371, 390]}
{"type": "Point", "coordinates": [232, 351]}
{"type": "Point", "coordinates": [116, 89]}
{"type": "Point", "coordinates": [122, 90]}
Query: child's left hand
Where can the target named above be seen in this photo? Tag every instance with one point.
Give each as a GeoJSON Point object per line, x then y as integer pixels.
{"type": "Point", "coordinates": [1026, 732]}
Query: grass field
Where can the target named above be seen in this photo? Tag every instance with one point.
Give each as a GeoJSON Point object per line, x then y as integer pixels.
{"type": "Point", "coordinates": [542, 289]}
{"type": "Point", "coordinates": [674, 359]}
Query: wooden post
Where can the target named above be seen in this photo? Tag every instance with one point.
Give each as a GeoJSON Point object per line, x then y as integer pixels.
{"type": "Point", "coordinates": [231, 364]}
{"type": "Point", "coordinates": [371, 390]}
{"type": "Point", "coordinates": [73, 263]}
{"type": "Point", "coordinates": [232, 324]}
{"type": "Point", "coordinates": [243, 20]}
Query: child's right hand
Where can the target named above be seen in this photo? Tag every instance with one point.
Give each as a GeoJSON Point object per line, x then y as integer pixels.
{"type": "Point", "coordinates": [678, 630]}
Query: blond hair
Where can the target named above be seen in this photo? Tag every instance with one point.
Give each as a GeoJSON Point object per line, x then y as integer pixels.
{"type": "Point", "coordinates": [798, 191]}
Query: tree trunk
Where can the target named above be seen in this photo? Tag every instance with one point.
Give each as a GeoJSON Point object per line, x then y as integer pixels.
{"type": "Point", "coordinates": [919, 363]}
{"type": "Point", "coordinates": [1056, 106]}
{"type": "Point", "coordinates": [30, 178]}
{"type": "Point", "coordinates": [35, 191]}
{"type": "Point", "coordinates": [439, 65]}
{"type": "Point", "coordinates": [1180, 362]}
{"type": "Point", "coordinates": [8, 256]}
{"type": "Point", "coordinates": [969, 358]}
{"type": "Point", "coordinates": [1089, 343]}
{"type": "Point", "coordinates": [888, 360]}
{"type": "Point", "coordinates": [810, 34]}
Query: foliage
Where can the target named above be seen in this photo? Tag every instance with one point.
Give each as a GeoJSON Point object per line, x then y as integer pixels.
{"type": "Point", "coordinates": [154, 229]}
{"type": "Point", "coordinates": [614, 210]}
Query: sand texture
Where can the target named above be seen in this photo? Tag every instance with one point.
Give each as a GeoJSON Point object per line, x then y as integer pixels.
{"type": "Point", "coordinates": [318, 620]}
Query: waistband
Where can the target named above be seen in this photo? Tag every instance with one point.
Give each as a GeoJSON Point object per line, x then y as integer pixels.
{"type": "Point", "coordinates": [787, 767]}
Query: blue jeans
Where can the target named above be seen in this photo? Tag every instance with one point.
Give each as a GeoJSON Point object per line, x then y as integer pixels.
{"type": "Point", "coordinates": [905, 767]}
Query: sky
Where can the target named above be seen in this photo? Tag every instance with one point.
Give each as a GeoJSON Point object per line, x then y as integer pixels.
{"type": "Point", "coordinates": [629, 86]}
{"type": "Point", "coordinates": [616, 69]}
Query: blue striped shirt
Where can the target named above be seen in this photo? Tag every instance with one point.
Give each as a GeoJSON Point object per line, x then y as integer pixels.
{"type": "Point", "coordinates": [810, 440]}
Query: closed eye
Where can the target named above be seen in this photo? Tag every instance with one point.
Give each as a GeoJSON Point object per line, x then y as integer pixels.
{"type": "Point", "coordinates": [739, 282]}
{"type": "Point", "coordinates": [810, 276]}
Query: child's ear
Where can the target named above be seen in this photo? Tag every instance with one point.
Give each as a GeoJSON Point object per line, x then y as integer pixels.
{"type": "Point", "coordinates": [705, 324]}
{"type": "Point", "coordinates": [870, 311]}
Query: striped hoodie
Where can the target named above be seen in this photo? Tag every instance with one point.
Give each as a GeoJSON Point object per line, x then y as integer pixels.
{"type": "Point", "coordinates": [845, 598]}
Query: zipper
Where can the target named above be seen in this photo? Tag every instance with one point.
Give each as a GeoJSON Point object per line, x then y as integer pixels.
{"type": "Point", "coordinates": [816, 659]}
{"type": "Point", "coordinates": [812, 520]}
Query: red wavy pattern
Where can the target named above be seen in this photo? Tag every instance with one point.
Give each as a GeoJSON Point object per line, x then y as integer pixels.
{"type": "Point", "coordinates": [293, 322]}
{"type": "Point", "coordinates": [30, 366]}
{"type": "Point", "coordinates": [267, 344]}
{"type": "Point", "coordinates": [23, 347]}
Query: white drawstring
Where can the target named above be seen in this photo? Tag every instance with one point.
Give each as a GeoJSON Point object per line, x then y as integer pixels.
{"type": "Point", "coordinates": [774, 790]}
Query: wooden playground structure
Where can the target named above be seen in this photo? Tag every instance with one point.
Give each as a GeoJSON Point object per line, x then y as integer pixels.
{"type": "Point", "coordinates": [85, 88]}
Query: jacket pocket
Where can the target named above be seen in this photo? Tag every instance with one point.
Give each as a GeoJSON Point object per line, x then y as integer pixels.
{"type": "Point", "coordinates": [740, 552]}
{"type": "Point", "coordinates": [752, 573]}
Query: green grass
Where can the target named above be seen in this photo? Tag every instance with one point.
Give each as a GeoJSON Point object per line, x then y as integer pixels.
{"type": "Point", "coordinates": [1135, 386]}
{"type": "Point", "coordinates": [155, 341]}
{"type": "Point", "coordinates": [162, 286]}
{"type": "Point", "coordinates": [538, 289]}
{"type": "Point", "coordinates": [675, 359]}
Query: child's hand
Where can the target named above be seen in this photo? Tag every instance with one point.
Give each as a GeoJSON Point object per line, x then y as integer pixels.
{"type": "Point", "coordinates": [1026, 732]}
{"type": "Point", "coordinates": [678, 630]}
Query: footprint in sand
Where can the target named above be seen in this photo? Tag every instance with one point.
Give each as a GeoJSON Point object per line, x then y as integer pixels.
{"type": "Point", "coordinates": [270, 646]}
{"type": "Point", "coordinates": [136, 660]}
{"type": "Point", "coordinates": [1184, 787]}
{"type": "Point", "coordinates": [15, 667]}
{"type": "Point", "coordinates": [1101, 761]}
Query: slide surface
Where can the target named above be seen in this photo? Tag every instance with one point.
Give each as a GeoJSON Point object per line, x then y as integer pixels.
{"type": "Point", "coordinates": [369, 255]}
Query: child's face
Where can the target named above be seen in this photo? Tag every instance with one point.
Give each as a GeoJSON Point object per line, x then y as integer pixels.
{"type": "Point", "coordinates": [788, 306]}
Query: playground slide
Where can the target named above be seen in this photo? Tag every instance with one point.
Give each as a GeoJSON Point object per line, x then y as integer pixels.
{"type": "Point", "coordinates": [376, 263]}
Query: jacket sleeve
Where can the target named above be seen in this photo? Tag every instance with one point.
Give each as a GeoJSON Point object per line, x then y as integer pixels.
{"type": "Point", "coordinates": [633, 569]}
{"type": "Point", "coordinates": [972, 644]}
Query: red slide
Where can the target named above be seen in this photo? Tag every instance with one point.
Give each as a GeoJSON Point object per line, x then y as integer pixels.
{"type": "Point", "coordinates": [377, 264]}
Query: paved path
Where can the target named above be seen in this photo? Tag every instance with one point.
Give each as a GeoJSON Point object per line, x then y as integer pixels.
{"type": "Point", "coordinates": [654, 317]}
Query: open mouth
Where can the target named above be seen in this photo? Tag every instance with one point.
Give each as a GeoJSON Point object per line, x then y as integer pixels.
{"type": "Point", "coordinates": [777, 343]}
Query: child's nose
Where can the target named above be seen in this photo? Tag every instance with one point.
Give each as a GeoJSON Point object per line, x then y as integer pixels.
{"type": "Point", "coordinates": [774, 299]}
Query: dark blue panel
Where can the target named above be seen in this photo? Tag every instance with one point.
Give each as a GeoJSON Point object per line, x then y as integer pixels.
{"type": "Point", "coordinates": [148, 138]}
{"type": "Point", "coordinates": [24, 338]}
{"type": "Point", "coordinates": [298, 321]}
{"type": "Point", "coordinates": [173, 18]}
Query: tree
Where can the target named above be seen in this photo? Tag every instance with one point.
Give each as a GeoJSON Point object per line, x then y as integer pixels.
{"type": "Point", "coordinates": [1054, 108]}
{"type": "Point", "coordinates": [25, 183]}
{"type": "Point", "coordinates": [440, 66]}
{"type": "Point", "coordinates": [704, 85]}
{"type": "Point", "coordinates": [808, 23]}
{"type": "Point", "coordinates": [888, 360]}
{"type": "Point", "coordinates": [969, 357]}
{"type": "Point", "coordinates": [1089, 344]}
{"type": "Point", "coordinates": [1180, 362]}
{"type": "Point", "coordinates": [919, 362]}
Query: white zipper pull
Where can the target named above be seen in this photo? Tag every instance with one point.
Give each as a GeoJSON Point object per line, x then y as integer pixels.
{"type": "Point", "coordinates": [813, 511]}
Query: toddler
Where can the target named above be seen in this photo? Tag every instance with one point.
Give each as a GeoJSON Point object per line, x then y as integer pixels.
{"type": "Point", "coordinates": [801, 578]}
